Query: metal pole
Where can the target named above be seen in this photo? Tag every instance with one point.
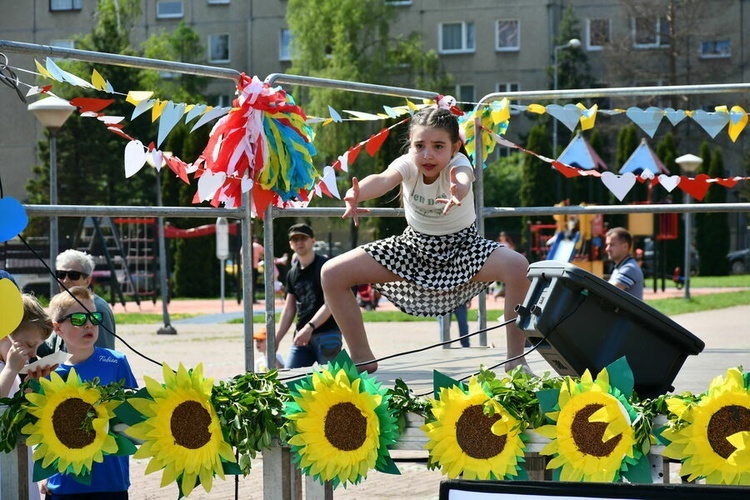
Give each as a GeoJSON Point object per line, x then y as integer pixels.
{"type": "Point", "coordinates": [247, 281]}
{"type": "Point", "coordinates": [558, 180]}
{"type": "Point", "coordinates": [479, 204]}
{"type": "Point", "coordinates": [686, 271]}
{"type": "Point", "coordinates": [167, 329]}
{"type": "Point", "coordinates": [269, 289]}
{"type": "Point", "coordinates": [54, 238]}
{"type": "Point", "coordinates": [221, 283]}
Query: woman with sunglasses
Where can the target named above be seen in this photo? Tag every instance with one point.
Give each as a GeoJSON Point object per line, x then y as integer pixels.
{"type": "Point", "coordinates": [76, 321]}
{"type": "Point", "coordinates": [74, 268]}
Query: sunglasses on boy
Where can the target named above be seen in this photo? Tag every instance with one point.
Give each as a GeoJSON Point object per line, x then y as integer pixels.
{"type": "Point", "coordinates": [79, 318]}
{"type": "Point", "coordinates": [73, 275]}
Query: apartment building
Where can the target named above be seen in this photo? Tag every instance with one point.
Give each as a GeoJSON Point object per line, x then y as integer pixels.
{"type": "Point", "coordinates": [487, 45]}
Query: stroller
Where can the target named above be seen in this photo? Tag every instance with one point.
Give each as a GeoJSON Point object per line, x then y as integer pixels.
{"type": "Point", "coordinates": [367, 297]}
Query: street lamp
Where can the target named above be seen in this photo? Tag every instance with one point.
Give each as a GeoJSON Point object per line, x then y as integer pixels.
{"type": "Point", "coordinates": [573, 43]}
{"type": "Point", "coordinates": [689, 164]}
{"type": "Point", "coordinates": [52, 112]}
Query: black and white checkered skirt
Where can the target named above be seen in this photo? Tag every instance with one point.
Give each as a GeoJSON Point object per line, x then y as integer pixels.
{"type": "Point", "coordinates": [437, 269]}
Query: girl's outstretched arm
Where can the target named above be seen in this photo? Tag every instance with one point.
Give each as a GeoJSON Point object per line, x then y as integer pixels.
{"type": "Point", "coordinates": [460, 184]}
{"type": "Point", "coordinates": [372, 186]}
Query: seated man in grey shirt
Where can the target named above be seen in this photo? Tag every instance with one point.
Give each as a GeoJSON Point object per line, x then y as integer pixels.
{"type": "Point", "coordinates": [627, 274]}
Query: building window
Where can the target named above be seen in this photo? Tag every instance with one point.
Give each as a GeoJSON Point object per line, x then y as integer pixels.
{"type": "Point", "coordinates": [505, 87]}
{"type": "Point", "coordinates": [169, 10]}
{"type": "Point", "coordinates": [508, 35]}
{"type": "Point", "coordinates": [398, 2]}
{"type": "Point", "coordinates": [218, 48]}
{"type": "Point", "coordinates": [285, 41]}
{"type": "Point", "coordinates": [466, 97]}
{"type": "Point", "coordinates": [63, 5]}
{"type": "Point", "coordinates": [715, 49]}
{"type": "Point", "coordinates": [218, 2]}
{"type": "Point", "coordinates": [650, 33]}
{"type": "Point", "coordinates": [597, 33]}
{"type": "Point", "coordinates": [223, 100]}
{"type": "Point", "coordinates": [456, 37]}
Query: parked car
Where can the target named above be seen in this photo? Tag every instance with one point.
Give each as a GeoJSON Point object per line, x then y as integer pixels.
{"type": "Point", "coordinates": [739, 261]}
{"type": "Point", "coordinates": [648, 260]}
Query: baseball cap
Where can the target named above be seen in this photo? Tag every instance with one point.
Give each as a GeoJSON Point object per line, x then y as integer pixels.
{"type": "Point", "coordinates": [6, 275]}
{"type": "Point", "coordinates": [302, 229]}
{"type": "Point", "coordinates": [260, 334]}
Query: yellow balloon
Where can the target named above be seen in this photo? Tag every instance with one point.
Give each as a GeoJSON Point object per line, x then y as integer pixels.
{"type": "Point", "coordinates": [11, 307]}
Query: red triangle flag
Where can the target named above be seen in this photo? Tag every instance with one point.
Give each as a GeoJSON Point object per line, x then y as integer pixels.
{"type": "Point", "coordinates": [376, 141]}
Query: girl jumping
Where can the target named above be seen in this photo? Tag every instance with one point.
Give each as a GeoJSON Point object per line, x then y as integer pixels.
{"type": "Point", "coordinates": [439, 262]}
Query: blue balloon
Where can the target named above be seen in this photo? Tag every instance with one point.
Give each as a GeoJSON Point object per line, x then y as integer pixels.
{"type": "Point", "coordinates": [14, 218]}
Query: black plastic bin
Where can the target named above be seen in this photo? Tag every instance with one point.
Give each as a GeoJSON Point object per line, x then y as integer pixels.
{"type": "Point", "coordinates": [588, 323]}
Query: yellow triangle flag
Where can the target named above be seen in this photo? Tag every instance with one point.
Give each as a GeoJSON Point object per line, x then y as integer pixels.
{"type": "Point", "coordinates": [536, 108]}
{"type": "Point", "coordinates": [136, 96]}
{"type": "Point", "coordinates": [737, 122]}
{"type": "Point", "coordinates": [502, 114]}
{"type": "Point", "coordinates": [42, 70]}
{"type": "Point", "coordinates": [588, 116]}
{"type": "Point", "coordinates": [98, 81]}
{"type": "Point", "coordinates": [157, 109]}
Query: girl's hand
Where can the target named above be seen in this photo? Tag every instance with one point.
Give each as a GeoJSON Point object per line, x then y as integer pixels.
{"type": "Point", "coordinates": [17, 356]}
{"type": "Point", "coordinates": [352, 200]}
{"type": "Point", "coordinates": [41, 371]}
{"type": "Point", "coordinates": [453, 200]}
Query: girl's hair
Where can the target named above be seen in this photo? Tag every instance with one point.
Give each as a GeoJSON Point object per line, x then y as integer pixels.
{"type": "Point", "coordinates": [34, 315]}
{"type": "Point", "coordinates": [63, 301]}
{"type": "Point", "coordinates": [439, 118]}
{"type": "Point", "coordinates": [84, 261]}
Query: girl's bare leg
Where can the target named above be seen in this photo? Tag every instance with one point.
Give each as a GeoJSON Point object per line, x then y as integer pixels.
{"type": "Point", "coordinates": [338, 276]}
{"type": "Point", "coordinates": [509, 267]}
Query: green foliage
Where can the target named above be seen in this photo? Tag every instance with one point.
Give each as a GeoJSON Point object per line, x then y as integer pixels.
{"type": "Point", "coordinates": [250, 408]}
{"type": "Point", "coordinates": [712, 229]}
{"type": "Point", "coordinates": [502, 188]}
{"type": "Point", "coordinates": [349, 40]}
{"type": "Point", "coordinates": [540, 180]}
{"type": "Point", "coordinates": [574, 70]}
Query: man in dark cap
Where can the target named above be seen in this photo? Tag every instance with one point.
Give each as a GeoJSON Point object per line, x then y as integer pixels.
{"type": "Point", "coordinates": [317, 336]}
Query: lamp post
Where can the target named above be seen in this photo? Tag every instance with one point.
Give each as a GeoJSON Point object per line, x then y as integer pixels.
{"type": "Point", "coordinates": [688, 164]}
{"type": "Point", "coordinates": [573, 43]}
{"type": "Point", "coordinates": [167, 329]}
{"type": "Point", "coordinates": [52, 112]}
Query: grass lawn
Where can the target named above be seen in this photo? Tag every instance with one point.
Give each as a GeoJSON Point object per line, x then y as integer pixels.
{"type": "Point", "coordinates": [669, 306]}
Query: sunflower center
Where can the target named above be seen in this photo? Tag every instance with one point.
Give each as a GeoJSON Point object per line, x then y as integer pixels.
{"type": "Point", "coordinates": [474, 434]}
{"type": "Point", "coordinates": [345, 427]}
{"type": "Point", "coordinates": [68, 421]}
{"type": "Point", "coordinates": [588, 435]}
{"type": "Point", "coordinates": [189, 425]}
{"type": "Point", "coordinates": [726, 421]}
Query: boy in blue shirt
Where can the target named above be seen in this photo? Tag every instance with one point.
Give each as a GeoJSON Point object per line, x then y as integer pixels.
{"type": "Point", "coordinates": [77, 323]}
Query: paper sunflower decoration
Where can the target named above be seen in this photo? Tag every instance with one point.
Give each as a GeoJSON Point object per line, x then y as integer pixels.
{"type": "Point", "coordinates": [180, 430]}
{"type": "Point", "coordinates": [340, 424]}
{"type": "Point", "coordinates": [263, 144]}
{"type": "Point", "coordinates": [72, 428]}
{"type": "Point", "coordinates": [593, 438]}
{"type": "Point", "coordinates": [465, 440]}
{"type": "Point", "coordinates": [713, 439]}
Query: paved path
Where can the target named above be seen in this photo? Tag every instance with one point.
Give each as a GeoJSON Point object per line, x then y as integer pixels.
{"type": "Point", "coordinates": [220, 347]}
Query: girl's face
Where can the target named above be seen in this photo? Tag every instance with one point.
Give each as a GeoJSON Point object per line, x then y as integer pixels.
{"type": "Point", "coordinates": [29, 337]}
{"type": "Point", "coordinates": [432, 150]}
{"type": "Point", "coordinates": [78, 338]}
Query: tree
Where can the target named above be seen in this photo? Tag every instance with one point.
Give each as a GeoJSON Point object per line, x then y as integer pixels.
{"type": "Point", "coordinates": [350, 40]}
{"type": "Point", "coordinates": [537, 187]}
{"type": "Point", "coordinates": [502, 188]}
{"type": "Point", "coordinates": [712, 229]}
